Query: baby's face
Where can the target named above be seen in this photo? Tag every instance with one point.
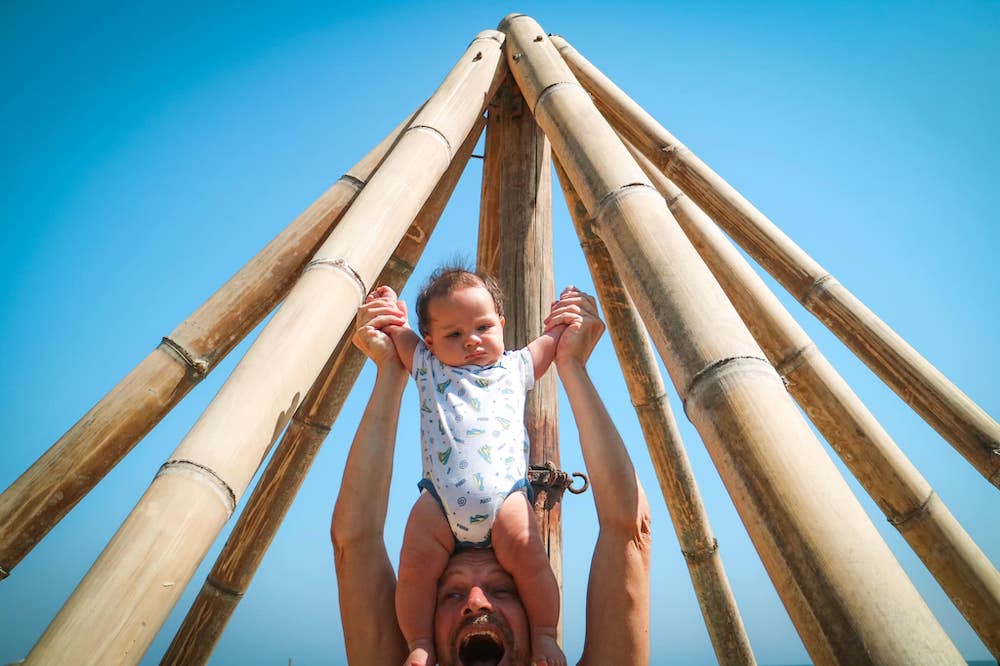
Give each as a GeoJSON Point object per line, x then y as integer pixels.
{"type": "Point", "coordinates": [465, 328]}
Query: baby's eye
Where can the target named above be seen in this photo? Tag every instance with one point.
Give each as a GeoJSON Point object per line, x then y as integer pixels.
{"type": "Point", "coordinates": [452, 335]}
{"type": "Point", "coordinates": [485, 327]}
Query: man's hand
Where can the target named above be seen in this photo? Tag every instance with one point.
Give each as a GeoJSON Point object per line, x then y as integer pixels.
{"type": "Point", "coordinates": [578, 311]}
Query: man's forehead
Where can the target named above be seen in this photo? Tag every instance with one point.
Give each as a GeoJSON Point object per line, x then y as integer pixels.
{"type": "Point", "coordinates": [466, 563]}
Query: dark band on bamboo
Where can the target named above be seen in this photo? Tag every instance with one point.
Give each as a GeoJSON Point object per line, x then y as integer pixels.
{"type": "Point", "coordinates": [318, 426]}
{"type": "Point", "coordinates": [702, 554]}
{"type": "Point", "coordinates": [435, 132]}
{"type": "Point", "coordinates": [792, 362]}
{"type": "Point", "coordinates": [914, 517]}
{"type": "Point", "coordinates": [353, 181]}
{"type": "Point", "coordinates": [713, 368]}
{"type": "Point", "coordinates": [558, 84]}
{"type": "Point", "coordinates": [399, 266]}
{"type": "Point", "coordinates": [650, 401]}
{"type": "Point", "coordinates": [620, 193]}
{"type": "Point", "coordinates": [223, 590]}
{"type": "Point", "coordinates": [199, 367]}
{"type": "Point", "coordinates": [342, 266]}
{"type": "Point", "coordinates": [818, 285]}
{"type": "Point", "coordinates": [202, 472]}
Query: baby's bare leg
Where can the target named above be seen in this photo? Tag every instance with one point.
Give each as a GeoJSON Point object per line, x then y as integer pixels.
{"type": "Point", "coordinates": [519, 549]}
{"type": "Point", "coordinates": [427, 547]}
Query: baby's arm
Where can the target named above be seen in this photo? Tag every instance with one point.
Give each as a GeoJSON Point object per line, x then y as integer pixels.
{"type": "Point", "coordinates": [403, 337]}
{"type": "Point", "coordinates": [543, 349]}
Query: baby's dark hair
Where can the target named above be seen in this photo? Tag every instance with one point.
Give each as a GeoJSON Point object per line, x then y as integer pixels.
{"type": "Point", "coordinates": [446, 279]}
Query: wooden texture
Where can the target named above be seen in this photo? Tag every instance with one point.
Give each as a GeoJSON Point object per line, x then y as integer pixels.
{"type": "Point", "coordinates": [125, 597]}
{"type": "Point", "coordinates": [236, 565]}
{"type": "Point", "coordinates": [947, 409]}
{"type": "Point", "coordinates": [42, 495]}
{"type": "Point", "coordinates": [524, 219]}
{"type": "Point", "coordinates": [847, 596]}
{"type": "Point", "coordinates": [666, 449]}
{"type": "Point", "coordinates": [488, 240]}
{"type": "Point", "coordinates": [906, 498]}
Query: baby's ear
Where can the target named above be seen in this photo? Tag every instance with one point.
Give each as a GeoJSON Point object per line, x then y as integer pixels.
{"type": "Point", "coordinates": [429, 342]}
{"type": "Point", "coordinates": [503, 321]}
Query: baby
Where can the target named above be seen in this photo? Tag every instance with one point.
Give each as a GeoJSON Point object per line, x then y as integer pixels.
{"type": "Point", "coordinates": [474, 452]}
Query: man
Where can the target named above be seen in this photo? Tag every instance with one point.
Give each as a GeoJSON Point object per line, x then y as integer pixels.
{"type": "Point", "coordinates": [479, 618]}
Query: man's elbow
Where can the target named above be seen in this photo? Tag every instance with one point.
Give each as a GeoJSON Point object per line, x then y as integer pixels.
{"type": "Point", "coordinates": [633, 523]}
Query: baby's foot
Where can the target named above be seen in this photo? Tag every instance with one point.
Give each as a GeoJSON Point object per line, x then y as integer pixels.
{"type": "Point", "coordinates": [420, 657]}
{"type": "Point", "coordinates": [545, 651]}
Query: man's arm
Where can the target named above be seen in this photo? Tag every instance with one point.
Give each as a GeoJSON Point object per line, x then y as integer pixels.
{"type": "Point", "coordinates": [618, 588]}
{"type": "Point", "coordinates": [366, 581]}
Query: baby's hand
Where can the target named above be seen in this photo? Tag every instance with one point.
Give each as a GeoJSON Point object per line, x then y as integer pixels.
{"type": "Point", "coordinates": [382, 309]}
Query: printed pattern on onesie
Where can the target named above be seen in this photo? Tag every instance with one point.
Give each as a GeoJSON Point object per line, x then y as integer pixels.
{"type": "Point", "coordinates": [474, 445]}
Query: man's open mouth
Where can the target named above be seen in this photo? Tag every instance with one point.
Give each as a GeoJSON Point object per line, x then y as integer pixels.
{"type": "Point", "coordinates": [482, 647]}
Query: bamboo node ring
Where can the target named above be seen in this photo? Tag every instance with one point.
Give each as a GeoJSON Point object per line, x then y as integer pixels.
{"type": "Point", "coordinates": [198, 366]}
{"type": "Point", "coordinates": [620, 193]}
{"type": "Point", "coordinates": [202, 472]}
{"type": "Point", "coordinates": [908, 520]}
{"type": "Point", "coordinates": [341, 265]}
{"type": "Point", "coordinates": [712, 368]}
{"type": "Point", "coordinates": [433, 131]}
{"type": "Point", "coordinates": [794, 360]}
{"type": "Point", "coordinates": [702, 554]}
{"type": "Point", "coordinates": [818, 285]}
{"type": "Point", "coordinates": [353, 181]}
{"type": "Point", "coordinates": [672, 152]}
{"type": "Point", "coordinates": [651, 400]}
{"type": "Point", "coordinates": [317, 426]}
{"type": "Point", "coordinates": [223, 589]}
{"type": "Point", "coordinates": [552, 87]}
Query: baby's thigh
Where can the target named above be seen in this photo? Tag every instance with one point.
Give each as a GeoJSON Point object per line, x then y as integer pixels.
{"type": "Point", "coordinates": [515, 530]}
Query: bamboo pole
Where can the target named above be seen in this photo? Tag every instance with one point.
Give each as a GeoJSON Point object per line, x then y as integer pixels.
{"type": "Point", "coordinates": [525, 275]}
{"type": "Point", "coordinates": [954, 415]}
{"type": "Point", "coordinates": [236, 565]}
{"type": "Point", "coordinates": [125, 597]}
{"type": "Point", "coordinates": [488, 240]}
{"type": "Point", "coordinates": [846, 594]}
{"type": "Point", "coordinates": [904, 495]}
{"type": "Point", "coordinates": [61, 477]}
{"type": "Point", "coordinates": [666, 449]}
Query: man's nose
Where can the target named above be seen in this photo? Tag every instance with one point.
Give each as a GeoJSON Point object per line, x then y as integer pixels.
{"type": "Point", "coordinates": [476, 602]}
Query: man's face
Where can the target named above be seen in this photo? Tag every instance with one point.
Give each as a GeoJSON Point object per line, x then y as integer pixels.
{"type": "Point", "coordinates": [479, 619]}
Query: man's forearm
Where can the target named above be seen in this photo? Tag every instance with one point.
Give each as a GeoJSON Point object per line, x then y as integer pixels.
{"type": "Point", "coordinates": [364, 491]}
{"type": "Point", "coordinates": [617, 493]}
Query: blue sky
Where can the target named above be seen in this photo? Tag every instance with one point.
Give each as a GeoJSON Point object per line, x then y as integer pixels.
{"type": "Point", "coordinates": [152, 150]}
